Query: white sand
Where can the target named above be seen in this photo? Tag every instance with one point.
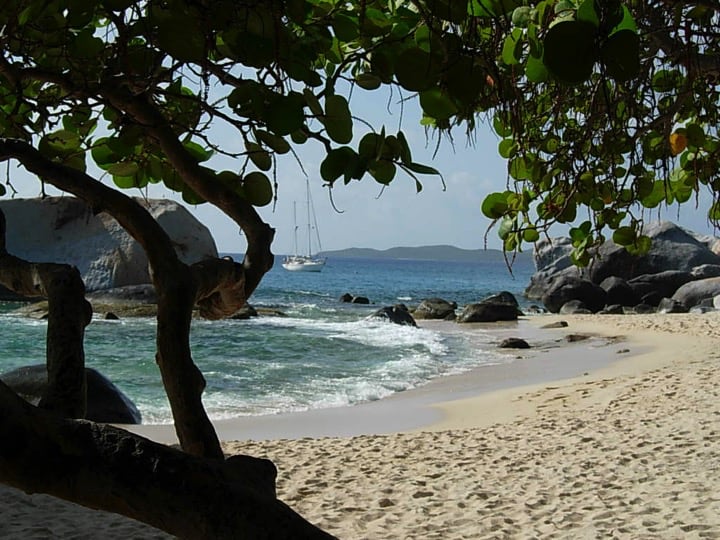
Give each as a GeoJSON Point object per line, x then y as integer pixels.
{"type": "Point", "coordinates": [628, 449]}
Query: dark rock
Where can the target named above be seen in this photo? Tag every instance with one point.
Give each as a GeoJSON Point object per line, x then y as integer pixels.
{"type": "Point", "coordinates": [571, 288]}
{"type": "Point", "coordinates": [663, 283]}
{"type": "Point", "coordinates": [701, 309]}
{"type": "Point", "coordinates": [514, 343]}
{"type": "Point", "coordinates": [642, 309]}
{"type": "Point", "coordinates": [653, 298]}
{"type": "Point", "coordinates": [612, 309]}
{"type": "Point", "coordinates": [552, 261]}
{"type": "Point", "coordinates": [574, 338]}
{"type": "Point", "coordinates": [668, 305]}
{"type": "Point", "coordinates": [705, 271]}
{"type": "Point", "coordinates": [556, 324]}
{"type": "Point", "coordinates": [360, 300]}
{"type": "Point", "coordinates": [105, 401]}
{"type": "Point", "coordinates": [244, 313]}
{"type": "Point", "coordinates": [141, 294]}
{"type": "Point", "coordinates": [110, 316]}
{"type": "Point", "coordinates": [488, 312]}
{"type": "Point", "coordinates": [503, 297]}
{"type": "Point", "coordinates": [619, 292]}
{"type": "Point", "coordinates": [347, 298]}
{"type": "Point", "coordinates": [435, 308]}
{"type": "Point", "coordinates": [694, 292]}
{"type": "Point", "coordinates": [576, 307]}
{"type": "Point", "coordinates": [397, 314]}
{"type": "Point", "coordinates": [673, 248]}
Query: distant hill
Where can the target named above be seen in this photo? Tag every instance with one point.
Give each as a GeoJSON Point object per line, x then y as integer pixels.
{"type": "Point", "coordinates": [427, 253]}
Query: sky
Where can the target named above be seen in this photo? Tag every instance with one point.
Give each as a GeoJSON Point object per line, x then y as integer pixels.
{"type": "Point", "coordinates": [362, 214]}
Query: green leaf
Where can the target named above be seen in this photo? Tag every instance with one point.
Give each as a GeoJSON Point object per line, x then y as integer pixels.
{"type": "Point", "coordinates": [624, 236]}
{"type": "Point", "coordinates": [128, 182]}
{"type": "Point", "coordinates": [512, 47]}
{"type": "Point", "coordinates": [338, 121]}
{"type": "Point", "coordinates": [621, 55]}
{"type": "Point", "coordinates": [405, 155]}
{"type": "Point", "coordinates": [346, 28]}
{"type": "Point", "coordinates": [495, 205]}
{"type": "Point", "coordinates": [421, 169]}
{"type": "Point", "coordinates": [3, 191]}
{"type": "Point", "coordinates": [507, 148]}
{"type": "Point", "coordinates": [260, 158]}
{"type": "Point", "coordinates": [695, 135]}
{"type": "Point", "coordinates": [180, 36]}
{"type": "Point", "coordinates": [197, 152]}
{"type": "Point", "coordinates": [569, 51]}
{"type": "Point", "coordinates": [335, 163]}
{"type": "Point", "coordinates": [415, 70]}
{"type": "Point", "coordinates": [257, 189]}
{"type": "Point", "coordinates": [382, 170]}
{"type": "Point", "coordinates": [437, 104]}
{"type": "Point", "coordinates": [507, 225]}
{"type": "Point", "coordinates": [368, 81]}
{"type": "Point", "coordinates": [371, 146]}
{"type": "Point", "coordinates": [285, 115]}
{"type": "Point", "coordinates": [531, 235]}
{"type": "Point", "coordinates": [586, 12]}
{"type": "Point", "coordinates": [275, 143]}
{"type": "Point", "coordinates": [535, 70]}
{"type": "Point", "coordinates": [59, 143]}
{"type": "Point", "coordinates": [123, 168]}
{"type": "Point", "coordinates": [714, 212]}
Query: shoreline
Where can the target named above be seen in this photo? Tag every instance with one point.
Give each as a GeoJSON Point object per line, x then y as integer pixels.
{"type": "Point", "coordinates": [549, 360]}
{"type": "Point", "coordinates": [627, 449]}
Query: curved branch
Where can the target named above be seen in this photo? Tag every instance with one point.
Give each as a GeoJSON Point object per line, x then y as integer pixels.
{"type": "Point", "coordinates": [107, 468]}
{"type": "Point", "coordinates": [173, 282]}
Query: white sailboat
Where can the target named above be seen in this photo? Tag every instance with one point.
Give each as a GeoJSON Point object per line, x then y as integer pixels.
{"type": "Point", "coordinates": [305, 263]}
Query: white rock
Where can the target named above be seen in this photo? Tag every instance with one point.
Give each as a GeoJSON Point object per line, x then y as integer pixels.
{"type": "Point", "coordinates": [64, 230]}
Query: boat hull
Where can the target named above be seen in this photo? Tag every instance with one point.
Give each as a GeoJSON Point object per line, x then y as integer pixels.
{"type": "Point", "coordinates": [303, 265]}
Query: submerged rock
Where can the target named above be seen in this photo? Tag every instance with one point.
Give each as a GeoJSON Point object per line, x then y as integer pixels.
{"type": "Point", "coordinates": [105, 401]}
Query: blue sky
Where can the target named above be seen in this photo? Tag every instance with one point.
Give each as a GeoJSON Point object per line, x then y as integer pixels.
{"type": "Point", "coordinates": [396, 216]}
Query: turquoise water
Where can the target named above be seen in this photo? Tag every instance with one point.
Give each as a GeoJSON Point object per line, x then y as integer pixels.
{"type": "Point", "coordinates": [322, 353]}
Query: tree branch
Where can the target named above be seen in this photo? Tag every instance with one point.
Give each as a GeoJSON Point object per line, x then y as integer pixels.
{"type": "Point", "coordinates": [107, 468]}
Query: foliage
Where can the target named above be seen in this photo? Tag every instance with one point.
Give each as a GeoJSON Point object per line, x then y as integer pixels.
{"type": "Point", "coordinates": [602, 107]}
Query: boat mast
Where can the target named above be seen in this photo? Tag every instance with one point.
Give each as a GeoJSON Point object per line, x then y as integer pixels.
{"type": "Point", "coordinates": [309, 228]}
{"type": "Point", "coordinates": [295, 230]}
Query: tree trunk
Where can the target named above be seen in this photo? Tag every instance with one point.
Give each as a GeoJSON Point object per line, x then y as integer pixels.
{"type": "Point", "coordinates": [183, 381]}
{"type": "Point", "coordinates": [69, 314]}
{"type": "Point", "coordinates": [107, 468]}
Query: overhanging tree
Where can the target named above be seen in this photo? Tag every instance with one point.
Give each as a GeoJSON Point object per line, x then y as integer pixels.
{"type": "Point", "coordinates": [606, 106]}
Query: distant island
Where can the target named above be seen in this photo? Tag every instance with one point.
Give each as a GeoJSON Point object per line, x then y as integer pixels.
{"type": "Point", "coordinates": [428, 253]}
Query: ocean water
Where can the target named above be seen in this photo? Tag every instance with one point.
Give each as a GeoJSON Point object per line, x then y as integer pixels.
{"type": "Point", "coordinates": [320, 353]}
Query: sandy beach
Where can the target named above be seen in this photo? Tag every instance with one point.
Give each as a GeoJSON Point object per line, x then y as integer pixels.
{"type": "Point", "coordinates": [616, 436]}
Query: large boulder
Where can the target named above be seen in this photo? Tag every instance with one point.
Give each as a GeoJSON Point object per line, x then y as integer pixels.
{"type": "Point", "coordinates": [673, 248]}
{"type": "Point", "coordinates": [105, 401]}
{"type": "Point", "coordinates": [663, 284]}
{"type": "Point", "coordinates": [435, 308]}
{"type": "Point", "coordinates": [619, 292]}
{"type": "Point", "coordinates": [66, 230]}
{"type": "Point", "coordinates": [397, 314]}
{"type": "Point", "coordinates": [573, 288]}
{"type": "Point", "coordinates": [552, 262]}
{"type": "Point", "coordinates": [488, 312]}
{"type": "Point", "coordinates": [691, 294]}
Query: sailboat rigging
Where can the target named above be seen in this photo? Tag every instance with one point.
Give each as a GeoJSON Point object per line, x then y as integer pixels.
{"type": "Point", "coordinates": [305, 263]}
